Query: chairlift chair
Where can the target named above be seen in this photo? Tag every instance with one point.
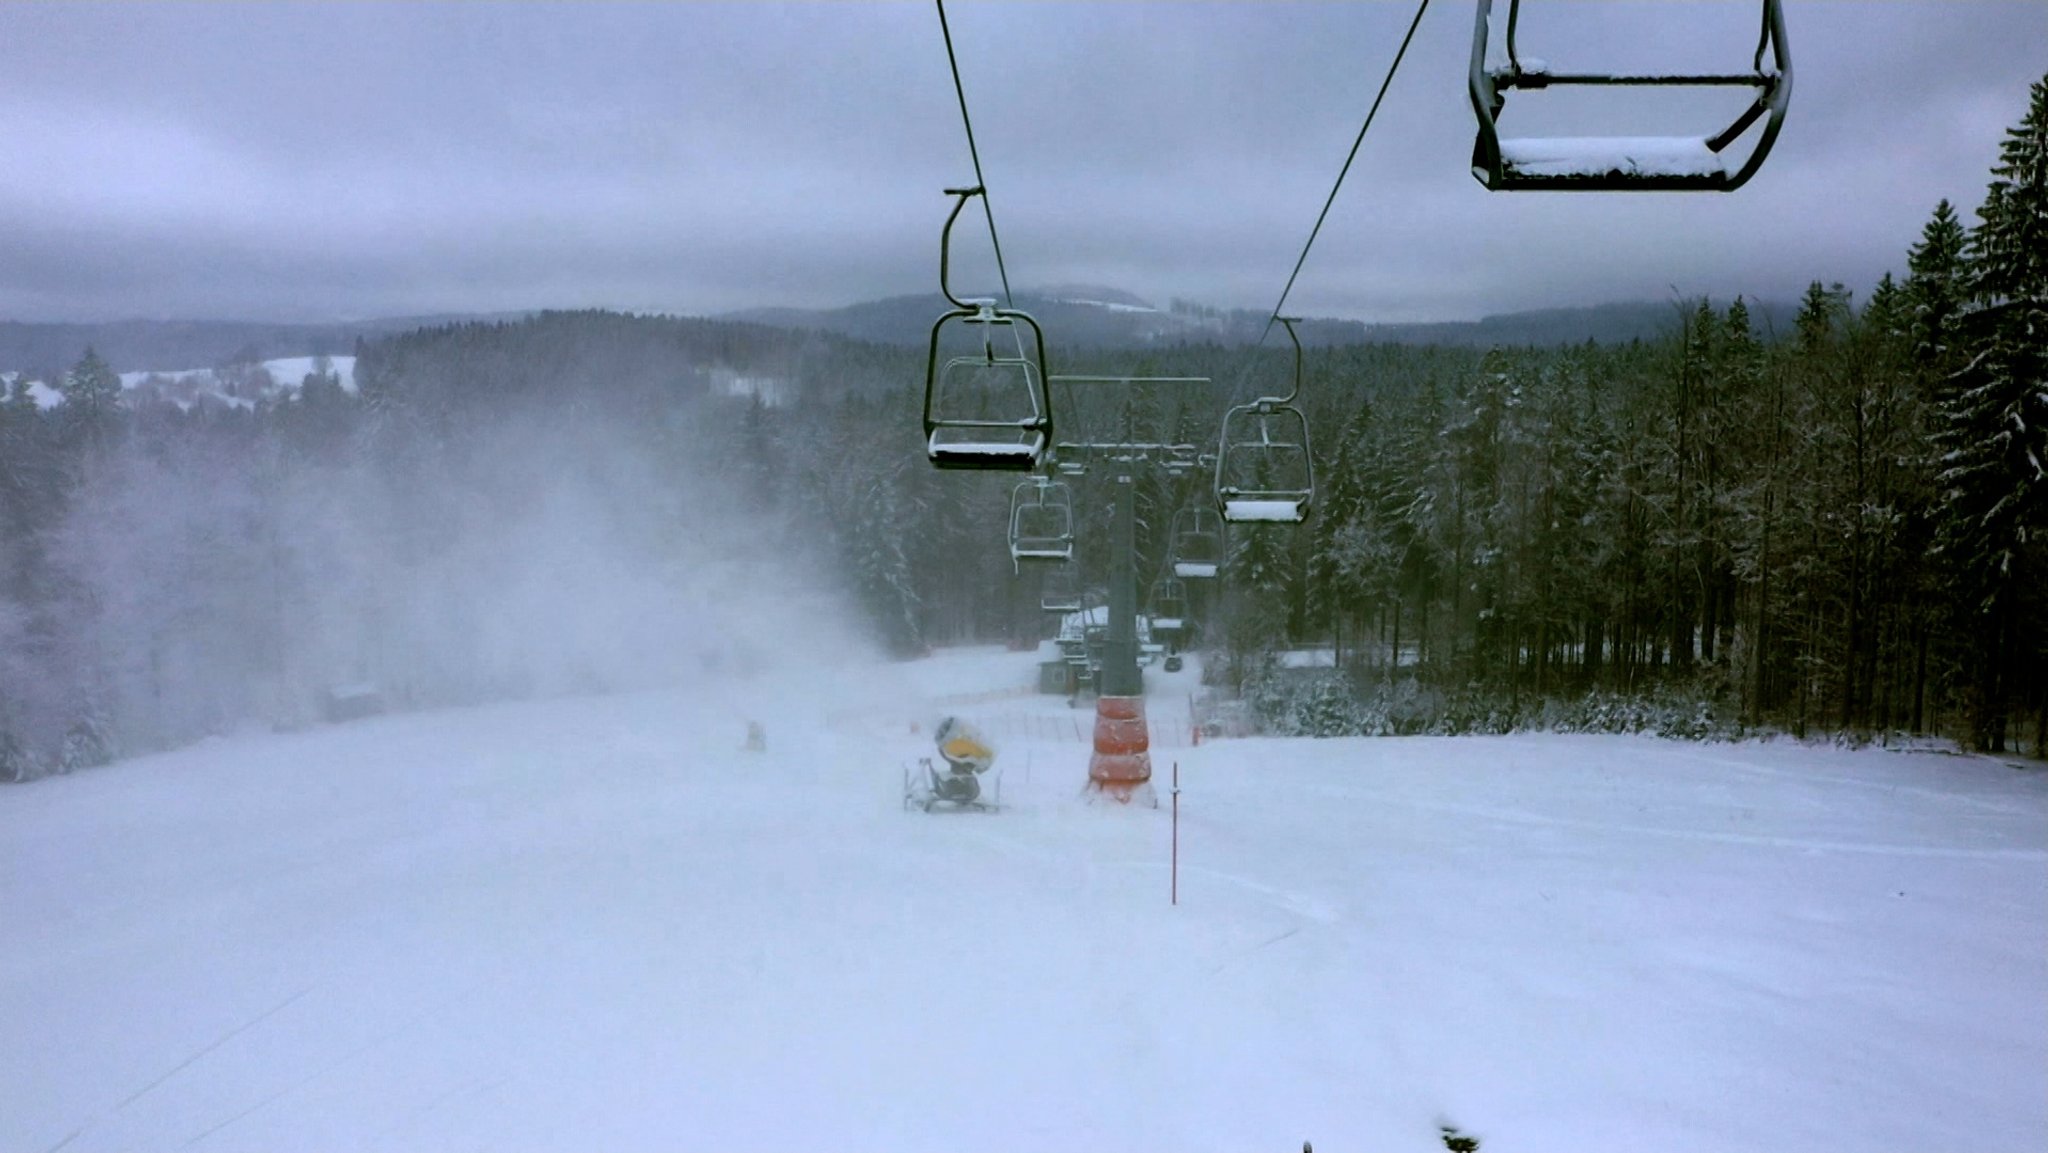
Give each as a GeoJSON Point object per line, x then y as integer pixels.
{"type": "Point", "coordinates": [1094, 639]}
{"type": "Point", "coordinates": [1623, 163]}
{"type": "Point", "coordinates": [1060, 592]}
{"type": "Point", "coordinates": [1196, 543]}
{"type": "Point", "coordinates": [1168, 602]}
{"type": "Point", "coordinates": [1263, 468]}
{"type": "Point", "coordinates": [1041, 522]}
{"type": "Point", "coordinates": [986, 411]}
{"type": "Point", "coordinates": [1076, 624]}
{"type": "Point", "coordinates": [1264, 473]}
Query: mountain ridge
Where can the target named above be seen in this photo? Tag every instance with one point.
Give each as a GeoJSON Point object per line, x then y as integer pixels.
{"type": "Point", "coordinates": [1077, 315]}
{"type": "Point", "coordinates": [1111, 318]}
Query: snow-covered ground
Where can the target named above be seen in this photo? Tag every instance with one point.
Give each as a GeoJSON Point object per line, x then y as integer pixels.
{"type": "Point", "coordinates": [186, 387]}
{"type": "Point", "coordinates": [600, 924]}
{"type": "Point", "coordinates": [279, 378]}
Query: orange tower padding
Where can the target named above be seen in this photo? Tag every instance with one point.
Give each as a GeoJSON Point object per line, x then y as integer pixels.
{"type": "Point", "coordinates": [1121, 762]}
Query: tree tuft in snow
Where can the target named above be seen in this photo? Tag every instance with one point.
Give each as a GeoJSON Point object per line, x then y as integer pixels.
{"type": "Point", "coordinates": [88, 744]}
{"type": "Point", "coordinates": [16, 765]}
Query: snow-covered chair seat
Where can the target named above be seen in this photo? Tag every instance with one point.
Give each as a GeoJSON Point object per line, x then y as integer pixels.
{"type": "Point", "coordinates": [1667, 162]}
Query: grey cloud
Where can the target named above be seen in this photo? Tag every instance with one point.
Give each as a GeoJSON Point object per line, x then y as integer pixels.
{"type": "Point", "coordinates": [309, 160]}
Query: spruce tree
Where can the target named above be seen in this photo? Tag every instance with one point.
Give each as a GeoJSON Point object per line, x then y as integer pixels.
{"type": "Point", "coordinates": [1934, 293]}
{"type": "Point", "coordinates": [1756, 403]}
{"type": "Point", "coordinates": [2008, 249]}
{"type": "Point", "coordinates": [92, 393]}
{"type": "Point", "coordinates": [1934, 288]}
{"type": "Point", "coordinates": [1994, 428]}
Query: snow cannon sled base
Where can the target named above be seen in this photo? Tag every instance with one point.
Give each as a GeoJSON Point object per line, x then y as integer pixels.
{"type": "Point", "coordinates": [926, 788]}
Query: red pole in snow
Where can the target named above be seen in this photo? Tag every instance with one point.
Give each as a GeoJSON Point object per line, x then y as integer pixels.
{"type": "Point", "coordinates": [1175, 870]}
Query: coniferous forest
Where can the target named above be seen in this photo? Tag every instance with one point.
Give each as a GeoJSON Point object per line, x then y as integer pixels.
{"type": "Point", "coordinates": [1840, 529]}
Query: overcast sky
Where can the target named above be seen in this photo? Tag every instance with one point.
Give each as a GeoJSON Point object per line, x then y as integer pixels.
{"type": "Point", "coordinates": [340, 161]}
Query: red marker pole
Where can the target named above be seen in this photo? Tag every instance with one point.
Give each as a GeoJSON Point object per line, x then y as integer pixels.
{"type": "Point", "coordinates": [1175, 870]}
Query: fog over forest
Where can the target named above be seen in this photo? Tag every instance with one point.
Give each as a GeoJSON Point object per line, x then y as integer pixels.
{"type": "Point", "coordinates": [437, 536]}
{"type": "Point", "coordinates": [1822, 515]}
{"type": "Point", "coordinates": [1728, 529]}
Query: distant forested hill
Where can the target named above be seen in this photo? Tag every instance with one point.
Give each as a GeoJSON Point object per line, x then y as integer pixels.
{"type": "Point", "coordinates": [1105, 318]}
{"type": "Point", "coordinates": [43, 350]}
{"type": "Point", "coordinates": [1602, 324]}
{"type": "Point", "coordinates": [1096, 318]}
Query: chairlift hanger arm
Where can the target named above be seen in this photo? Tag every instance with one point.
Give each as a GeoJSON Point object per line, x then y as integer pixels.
{"type": "Point", "coordinates": [1772, 99]}
{"type": "Point", "coordinates": [962, 195]}
{"type": "Point", "coordinates": [1288, 322]}
{"type": "Point", "coordinates": [976, 310]}
{"type": "Point", "coordinates": [1267, 404]}
{"type": "Point", "coordinates": [1771, 36]}
{"type": "Point", "coordinates": [974, 152]}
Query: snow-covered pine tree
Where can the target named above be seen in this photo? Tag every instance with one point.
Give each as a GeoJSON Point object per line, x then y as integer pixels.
{"type": "Point", "coordinates": [1933, 299]}
{"type": "Point", "coordinates": [17, 675]}
{"type": "Point", "coordinates": [1586, 455]}
{"type": "Point", "coordinates": [91, 385]}
{"type": "Point", "coordinates": [1934, 289]}
{"type": "Point", "coordinates": [1392, 468]}
{"type": "Point", "coordinates": [16, 765]}
{"type": "Point", "coordinates": [1756, 404]}
{"type": "Point", "coordinates": [1994, 431]}
{"type": "Point", "coordinates": [88, 744]}
{"type": "Point", "coordinates": [1894, 429]}
{"type": "Point", "coordinates": [1417, 461]}
{"type": "Point", "coordinates": [92, 399]}
{"type": "Point", "coordinates": [2008, 249]}
{"type": "Point", "coordinates": [881, 571]}
{"type": "Point", "coordinates": [1338, 498]}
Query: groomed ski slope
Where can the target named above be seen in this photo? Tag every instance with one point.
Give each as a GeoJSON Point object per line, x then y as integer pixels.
{"type": "Point", "coordinates": [599, 924]}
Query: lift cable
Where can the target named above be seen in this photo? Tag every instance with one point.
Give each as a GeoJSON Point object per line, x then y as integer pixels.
{"type": "Point", "coordinates": [968, 122]}
{"type": "Point", "coordinates": [1274, 318]}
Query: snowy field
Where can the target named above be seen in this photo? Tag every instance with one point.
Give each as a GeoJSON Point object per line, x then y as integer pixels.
{"type": "Point", "coordinates": [184, 386]}
{"type": "Point", "coordinates": [601, 924]}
